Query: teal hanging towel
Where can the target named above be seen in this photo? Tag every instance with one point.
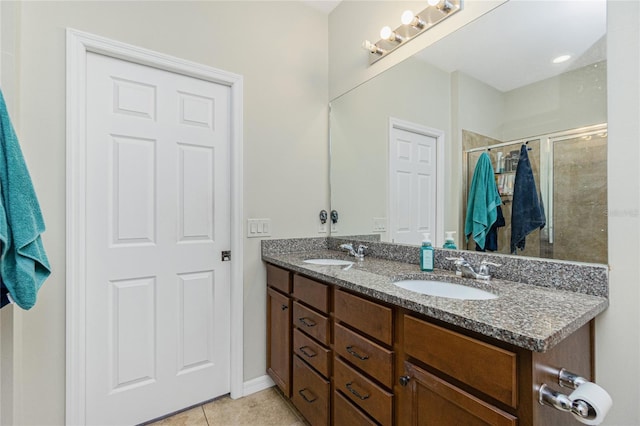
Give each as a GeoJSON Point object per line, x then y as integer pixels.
{"type": "Point", "coordinates": [483, 202]}
{"type": "Point", "coordinates": [23, 262]}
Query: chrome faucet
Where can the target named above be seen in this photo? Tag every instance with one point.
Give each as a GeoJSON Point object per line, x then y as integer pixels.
{"type": "Point", "coordinates": [358, 254]}
{"type": "Point", "coordinates": [464, 268]}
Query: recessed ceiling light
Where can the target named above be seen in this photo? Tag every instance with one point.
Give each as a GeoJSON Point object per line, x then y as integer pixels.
{"type": "Point", "coordinates": [561, 58]}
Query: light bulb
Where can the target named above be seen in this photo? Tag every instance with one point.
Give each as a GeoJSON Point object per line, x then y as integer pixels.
{"type": "Point", "coordinates": [385, 33]}
{"type": "Point", "coordinates": [367, 45]}
{"type": "Point", "coordinates": [407, 17]}
{"type": "Point", "coordinates": [562, 58]}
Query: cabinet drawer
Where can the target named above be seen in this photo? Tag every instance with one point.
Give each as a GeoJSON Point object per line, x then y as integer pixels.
{"type": "Point", "coordinates": [460, 356]}
{"type": "Point", "coordinates": [434, 402]}
{"type": "Point", "coordinates": [346, 414]}
{"type": "Point", "coordinates": [369, 317]}
{"type": "Point", "coordinates": [279, 278]}
{"type": "Point", "coordinates": [372, 358]}
{"type": "Point", "coordinates": [311, 292]}
{"type": "Point", "coordinates": [363, 392]}
{"type": "Point", "coordinates": [314, 324]}
{"type": "Point", "coordinates": [312, 352]}
{"type": "Point", "coordinates": [311, 393]}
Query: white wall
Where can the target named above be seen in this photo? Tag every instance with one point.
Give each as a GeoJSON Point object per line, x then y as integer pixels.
{"type": "Point", "coordinates": [9, 15]}
{"type": "Point", "coordinates": [617, 336]}
{"type": "Point", "coordinates": [571, 100]}
{"type": "Point", "coordinates": [281, 50]}
{"type": "Point", "coordinates": [479, 107]}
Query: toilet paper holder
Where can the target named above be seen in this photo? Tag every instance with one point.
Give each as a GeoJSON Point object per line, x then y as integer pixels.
{"type": "Point", "coordinates": [560, 401]}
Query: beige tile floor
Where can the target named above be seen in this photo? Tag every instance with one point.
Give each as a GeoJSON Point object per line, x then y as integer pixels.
{"type": "Point", "coordinates": [264, 408]}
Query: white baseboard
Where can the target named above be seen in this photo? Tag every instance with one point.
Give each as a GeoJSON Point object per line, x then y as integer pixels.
{"type": "Point", "coordinates": [257, 384]}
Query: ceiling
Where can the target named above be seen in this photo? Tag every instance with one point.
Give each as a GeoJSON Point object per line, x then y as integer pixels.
{"type": "Point", "coordinates": [514, 44]}
{"type": "Point", "coordinates": [325, 6]}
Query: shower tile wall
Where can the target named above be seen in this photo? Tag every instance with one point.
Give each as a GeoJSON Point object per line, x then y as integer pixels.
{"type": "Point", "coordinates": [580, 184]}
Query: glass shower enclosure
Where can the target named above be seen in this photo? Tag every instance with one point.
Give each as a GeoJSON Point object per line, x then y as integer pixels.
{"type": "Point", "coordinates": [570, 171]}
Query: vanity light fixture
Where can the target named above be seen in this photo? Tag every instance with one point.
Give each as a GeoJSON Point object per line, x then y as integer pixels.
{"type": "Point", "coordinates": [412, 26]}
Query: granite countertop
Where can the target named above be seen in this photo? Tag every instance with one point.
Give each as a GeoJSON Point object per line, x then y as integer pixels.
{"type": "Point", "coordinates": [525, 315]}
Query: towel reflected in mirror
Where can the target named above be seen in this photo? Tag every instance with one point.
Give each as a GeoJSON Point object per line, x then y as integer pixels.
{"type": "Point", "coordinates": [527, 213]}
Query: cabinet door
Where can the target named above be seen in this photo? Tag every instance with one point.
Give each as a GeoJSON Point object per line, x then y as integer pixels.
{"type": "Point", "coordinates": [279, 339]}
{"type": "Point", "coordinates": [435, 402]}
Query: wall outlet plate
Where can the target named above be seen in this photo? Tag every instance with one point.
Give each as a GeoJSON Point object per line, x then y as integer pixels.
{"type": "Point", "coordinates": [379, 224]}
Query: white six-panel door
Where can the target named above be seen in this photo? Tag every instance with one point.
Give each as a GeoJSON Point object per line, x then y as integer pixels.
{"type": "Point", "coordinates": [158, 217]}
{"type": "Point", "coordinates": [413, 184]}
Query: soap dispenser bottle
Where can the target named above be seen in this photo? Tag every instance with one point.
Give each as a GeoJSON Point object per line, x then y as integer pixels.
{"type": "Point", "coordinates": [426, 254]}
{"type": "Point", "coordinates": [449, 242]}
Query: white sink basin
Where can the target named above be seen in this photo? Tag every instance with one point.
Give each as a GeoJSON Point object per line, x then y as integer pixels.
{"type": "Point", "coordinates": [442, 289]}
{"type": "Point", "coordinates": [332, 262]}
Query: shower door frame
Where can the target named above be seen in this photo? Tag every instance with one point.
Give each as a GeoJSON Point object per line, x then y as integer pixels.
{"type": "Point", "coordinates": [546, 170]}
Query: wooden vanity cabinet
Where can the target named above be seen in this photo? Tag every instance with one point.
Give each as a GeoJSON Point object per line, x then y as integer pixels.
{"type": "Point", "coordinates": [347, 359]}
{"type": "Point", "coordinates": [311, 386]}
{"type": "Point", "coordinates": [279, 308]}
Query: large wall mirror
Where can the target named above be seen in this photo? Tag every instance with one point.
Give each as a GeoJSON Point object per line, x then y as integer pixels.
{"type": "Point", "coordinates": [404, 144]}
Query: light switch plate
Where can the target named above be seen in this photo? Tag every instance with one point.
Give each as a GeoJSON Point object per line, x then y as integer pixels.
{"type": "Point", "coordinates": [258, 228]}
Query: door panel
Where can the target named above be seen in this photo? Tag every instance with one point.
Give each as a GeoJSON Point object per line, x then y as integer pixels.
{"type": "Point", "coordinates": [412, 186]}
{"type": "Point", "coordinates": [158, 216]}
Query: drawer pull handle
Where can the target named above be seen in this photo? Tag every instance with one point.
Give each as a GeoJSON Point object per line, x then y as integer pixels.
{"type": "Point", "coordinates": [356, 354]}
{"type": "Point", "coordinates": [307, 354]}
{"type": "Point", "coordinates": [355, 392]}
{"type": "Point", "coordinates": [284, 307]}
{"type": "Point", "coordinates": [307, 322]}
{"type": "Point", "coordinates": [301, 392]}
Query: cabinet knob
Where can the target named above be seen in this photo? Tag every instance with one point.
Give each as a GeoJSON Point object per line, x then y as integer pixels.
{"type": "Point", "coordinates": [284, 307]}
{"type": "Point", "coordinates": [404, 380]}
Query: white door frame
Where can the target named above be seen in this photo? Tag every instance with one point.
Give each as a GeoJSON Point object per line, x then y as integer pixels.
{"type": "Point", "coordinates": [78, 45]}
{"type": "Point", "coordinates": [396, 123]}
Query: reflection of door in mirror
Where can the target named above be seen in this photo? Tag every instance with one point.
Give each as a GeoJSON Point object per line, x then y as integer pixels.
{"type": "Point", "coordinates": [413, 182]}
{"type": "Point", "coordinates": [569, 169]}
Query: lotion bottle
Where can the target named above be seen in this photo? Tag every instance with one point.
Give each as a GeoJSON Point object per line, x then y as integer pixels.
{"type": "Point", "coordinates": [426, 254]}
{"type": "Point", "coordinates": [449, 242]}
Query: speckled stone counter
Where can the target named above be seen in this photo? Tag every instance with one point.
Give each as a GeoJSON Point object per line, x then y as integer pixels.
{"type": "Point", "coordinates": [530, 316]}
